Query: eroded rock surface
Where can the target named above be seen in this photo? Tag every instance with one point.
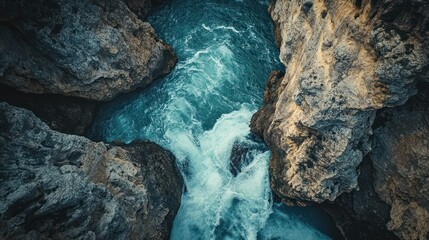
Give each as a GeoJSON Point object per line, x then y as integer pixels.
{"type": "Point", "coordinates": [361, 214]}
{"type": "Point", "coordinates": [343, 61]}
{"type": "Point", "coordinates": [88, 48]}
{"type": "Point", "coordinates": [59, 186]}
{"type": "Point", "coordinates": [400, 157]}
{"type": "Point", "coordinates": [346, 63]}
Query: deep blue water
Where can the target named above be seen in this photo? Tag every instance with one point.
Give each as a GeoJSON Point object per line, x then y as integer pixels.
{"type": "Point", "coordinates": [201, 112]}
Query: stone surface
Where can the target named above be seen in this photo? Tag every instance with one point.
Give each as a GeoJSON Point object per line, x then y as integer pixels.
{"type": "Point", "coordinates": [143, 8]}
{"type": "Point", "coordinates": [401, 161]}
{"type": "Point", "coordinates": [88, 48]}
{"type": "Point", "coordinates": [343, 61]}
{"type": "Point", "coordinates": [59, 186]}
{"type": "Point", "coordinates": [350, 68]}
{"type": "Point", "coordinates": [361, 214]}
{"type": "Point", "coordinates": [65, 114]}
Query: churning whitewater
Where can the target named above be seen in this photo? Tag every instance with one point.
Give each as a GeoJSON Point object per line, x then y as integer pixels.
{"type": "Point", "coordinates": [201, 112]}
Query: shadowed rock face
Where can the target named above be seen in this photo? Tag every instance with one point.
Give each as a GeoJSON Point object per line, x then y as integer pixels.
{"type": "Point", "coordinates": [361, 214]}
{"type": "Point", "coordinates": [71, 115]}
{"type": "Point", "coordinates": [400, 157]}
{"type": "Point", "coordinates": [346, 60]}
{"type": "Point", "coordinates": [88, 48]}
{"type": "Point", "coordinates": [61, 186]}
{"type": "Point", "coordinates": [393, 192]}
{"type": "Point", "coordinates": [143, 8]}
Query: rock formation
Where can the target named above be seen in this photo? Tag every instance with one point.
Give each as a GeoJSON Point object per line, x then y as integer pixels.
{"type": "Point", "coordinates": [59, 186]}
{"type": "Point", "coordinates": [71, 115]}
{"type": "Point", "coordinates": [58, 58]}
{"type": "Point", "coordinates": [88, 48]}
{"type": "Point", "coordinates": [142, 8]}
{"type": "Point", "coordinates": [393, 194]}
{"type": "Point", "coordinates": [346, 60]}
{"type": "Point", "coordinates": [400, 157]}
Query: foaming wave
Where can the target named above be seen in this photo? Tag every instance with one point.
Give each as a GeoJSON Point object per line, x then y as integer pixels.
{"type": "Point", "coordinates": [215, 198]}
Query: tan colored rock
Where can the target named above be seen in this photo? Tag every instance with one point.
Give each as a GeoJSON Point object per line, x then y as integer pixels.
{"type": "Point", "coordinates": [343, 61]}
{"type": "Point", "coordinates": [346, 60]}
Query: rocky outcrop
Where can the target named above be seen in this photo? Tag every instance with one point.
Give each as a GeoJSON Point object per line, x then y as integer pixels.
{"type": "Point", "coordinates": [361, 214]}
{"type": "Point", "coordinates": [71, 115]}
{"type": "Point", "coordinates": [343, 61]}
{"type": "Point", "coordinates": [143, 8]}
{"type": "Point", "coordinates": [400, 157]}
{"type": "Point", "coordinates": [393, 194]}
{"type": "Point", "coordinates": [59, 186]}
{"type": "Point", "coordinates": [88, 48]}
{"type": "Point", "coordinates": [346, 60]}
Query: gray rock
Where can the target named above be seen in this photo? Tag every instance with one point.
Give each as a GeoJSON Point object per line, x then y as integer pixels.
{"type": "Point", "coordinates": [143, 8]}
{"type": "Point", "coordinates": [59, 186]}
{"type": "Point", "coordinates": [71, 115]}
{"type": "Point", "coordinates": [361, 214]}
{"type": "Point", "coordinates": [88, 48]}
{"type": "Point", "coordinates": [401, 161]}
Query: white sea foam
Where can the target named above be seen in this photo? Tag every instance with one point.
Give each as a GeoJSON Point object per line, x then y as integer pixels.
{"type": "Point", "coordinates": [213, 189]}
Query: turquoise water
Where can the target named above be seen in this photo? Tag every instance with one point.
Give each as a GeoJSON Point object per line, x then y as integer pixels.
{"type": "Point", "coordinates": [201, 112]}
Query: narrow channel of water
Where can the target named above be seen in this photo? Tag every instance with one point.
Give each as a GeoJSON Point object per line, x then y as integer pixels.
{"type": "Point", "coordinates": [201, 112]}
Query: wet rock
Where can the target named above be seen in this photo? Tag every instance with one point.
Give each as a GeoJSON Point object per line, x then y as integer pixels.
{"type": "Point", "coordinates": [59, 186]}
{"type": "Point", "coordinates": [88, 48]}
{"type": "Point", "coordinates": [242, 153]}
{"type": "Point", "coordinates": [262, 118]}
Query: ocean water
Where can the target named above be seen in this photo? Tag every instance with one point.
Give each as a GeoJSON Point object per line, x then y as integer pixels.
{"type": "Point", "coordinates": [201, 112]}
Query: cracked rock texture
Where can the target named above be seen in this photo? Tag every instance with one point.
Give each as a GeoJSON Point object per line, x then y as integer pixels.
{"type": "Point", "coordinates": [400, 157]}
{"type": "Point", "coordinates": [87, 48]}
{"type": "Point", "coordinates": [59, 186]}
{"type": "Point", "coordinates": [345, 61]}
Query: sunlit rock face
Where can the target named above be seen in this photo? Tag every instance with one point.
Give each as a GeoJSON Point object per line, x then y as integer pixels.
{"type": "Point", "coordinates": [89, 49]}
{"type": "Point", "coordinates": [344, 61]}
{"type": "Point", "coordinates": [59, 186]}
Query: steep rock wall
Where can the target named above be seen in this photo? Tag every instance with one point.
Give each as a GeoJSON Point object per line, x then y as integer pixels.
{"type": "Point", "coordinates": [344, 61]}
{"type": "Point", "coordinates": [400, 157]}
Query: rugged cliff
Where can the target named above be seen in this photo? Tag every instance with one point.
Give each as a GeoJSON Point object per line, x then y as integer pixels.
{"type": "Point", "coordinates": [88, 48]}
{"type": "Point", "coordinates": [58, 58]}
{"type": "Point", "coordinates": [61, 186]}
{"type": "Point", "coordinates": [346, 60]}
